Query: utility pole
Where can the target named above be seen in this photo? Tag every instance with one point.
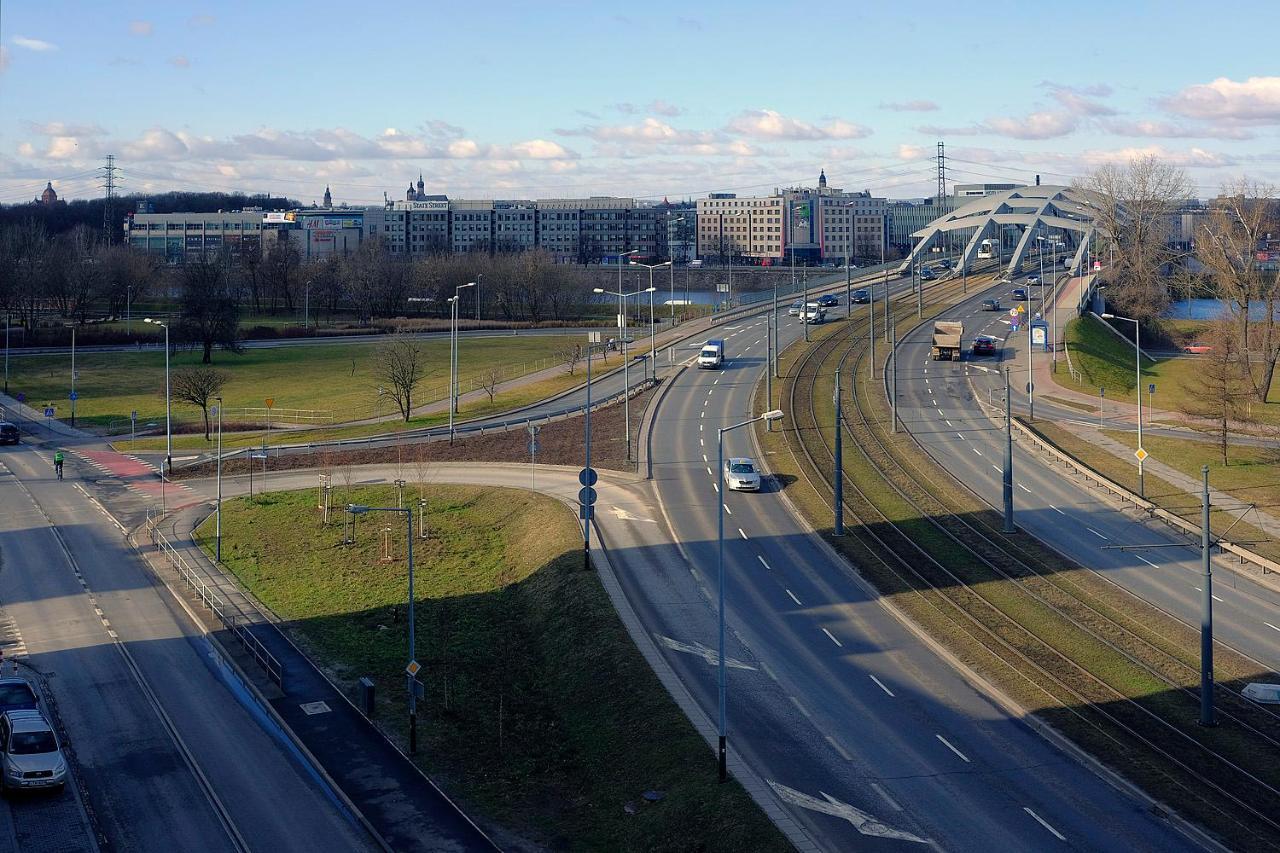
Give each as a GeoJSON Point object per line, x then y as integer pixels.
{"type": "Point", "coordinates": [1206, 609]}
{"type": "Point", "coordinates": [838, 500]}
{"type": "Point", "coordinates": [108, 210]}
{"type": "Point", "coordinates": [942, 171]}
{"type": "Point", "coordinates": [1007, 476]}
{"type": "Point", "coordinates": [871, 331]}
{"type": "Point", "coordinates": [769, 320]}
{"type": "Point", "coordinates": [894, 389]}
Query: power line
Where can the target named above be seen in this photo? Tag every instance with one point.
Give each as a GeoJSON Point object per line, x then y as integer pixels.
{"type": "Point", "coordinates": [108, 209]}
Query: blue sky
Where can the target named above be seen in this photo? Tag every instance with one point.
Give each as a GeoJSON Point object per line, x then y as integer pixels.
{"type": "Point", "coordinates": [525, 99]}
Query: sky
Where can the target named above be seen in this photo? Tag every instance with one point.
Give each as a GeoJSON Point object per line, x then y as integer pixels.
{"type": "Point", "coordinates": [654, 100]}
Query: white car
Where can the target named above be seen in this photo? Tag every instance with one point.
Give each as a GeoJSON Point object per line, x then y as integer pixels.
{"type": "Point", "coordinates": [794, 310]}
{"type": "Point", "coordinates": [741, 474]}
{"type": "Point", "coordinates": [30, 756]}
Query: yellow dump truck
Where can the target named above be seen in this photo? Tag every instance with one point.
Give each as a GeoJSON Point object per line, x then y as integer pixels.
{"type": "Point", "coordinates": [946, 340]}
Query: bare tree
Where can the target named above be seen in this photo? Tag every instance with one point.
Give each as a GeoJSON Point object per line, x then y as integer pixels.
{"type": "Point", "coordinates": [1218, 393]}
{"type": "Point", "coordinates": [570, 355]}
{"type": "Point", "coordinates": [399, 365]}
{"type": "Point", "coordinates": [489, 381]}
{"type": "Point", "coordinates": [1136, 202]}
{"type": "Point", "coordinates": [1240, 221]}
{"type": "Point", "coordinates": [198, 386]}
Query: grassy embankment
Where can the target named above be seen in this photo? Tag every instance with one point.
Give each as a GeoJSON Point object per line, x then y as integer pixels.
{"type": "Point", "coordinates": [540, 714]}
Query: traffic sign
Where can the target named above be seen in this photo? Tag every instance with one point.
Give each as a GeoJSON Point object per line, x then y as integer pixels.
{"type": "Point", "coordinates": [134, 414]}
{"type": "Point", "coordinates": [1141, 454]}
{"type": "Point", "coordinates": [586, 496]}
{"type": "Point", "coordinates": [48, 411]}
{"type": "Point", "coordinates": [72, 396]}
{"type": "Point", "coordinates": [588, 476]}
{"type": "Point", "coordinates": [1030, 387]}
{"type": "Point", "coordinates": [271, 401]}
{"type": "Point", "coordinates": [586, 513]}
{"type": "Point", "coordinates": [22, 398]}
{"type": "Point", "coordinates": [534, 447]}
{"type": "Point", "coordinates": [1151, 389]}
{"type": "Point", "coordinates": [413, 668]}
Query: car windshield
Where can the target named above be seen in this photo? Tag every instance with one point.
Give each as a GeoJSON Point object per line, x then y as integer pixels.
{"type": "Point", "coordinates": [16, 694]}
{"type": "Point", "coordinates": [742, 468]}
{"type": "Point", "coordinates": [31, 743]}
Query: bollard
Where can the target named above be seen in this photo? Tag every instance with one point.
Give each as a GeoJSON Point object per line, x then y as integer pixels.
{"type": "Point", "coordinates": [365, 695]}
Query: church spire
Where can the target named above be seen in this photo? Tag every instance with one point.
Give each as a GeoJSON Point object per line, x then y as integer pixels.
{"type": "Point", "coordinates": [328, 198]}
{"type": "Point", "coordinates": [822, 179]}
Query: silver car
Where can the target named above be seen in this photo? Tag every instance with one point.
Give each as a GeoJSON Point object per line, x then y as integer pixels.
{"type": "Point", "coordinates": [30, 756]}
{"type": "Point", "coordinates": [741, 474]}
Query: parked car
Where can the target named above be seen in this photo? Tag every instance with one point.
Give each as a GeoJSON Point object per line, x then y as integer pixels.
{"type": "Point", "coordinates": [828, 300]}
{"type": "Point", "coordinates": [984, 345]}
{"type": "Point", "coordinates": [861, 296]}
{"type": "Point", "coordinates": [8, 433]}
{"type": "Point", "coordinates": [991, 305]}
{"type": "Point", "coordinates": [30, 756]}
{"type": "Point", "coordinates": [16, 695]}
{"type": "Point", "coordinates": [1197, 348]}
{"type": "Point", "coordinates": [741, 475]}
{"type": "Point", "coordinates": [794, 310]}
{"type": "Point", "coordinates": [945, 264]}
{"type": "Point", "coordinates": [1019, 294]}
{"type": "Point", "coordinates": [1032, 279]}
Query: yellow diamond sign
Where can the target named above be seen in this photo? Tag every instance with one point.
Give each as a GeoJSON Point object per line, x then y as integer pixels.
{"type": "Point", "coordinates": [1141, 454]}
{"type": "Point", "coordinates": [413, 668]}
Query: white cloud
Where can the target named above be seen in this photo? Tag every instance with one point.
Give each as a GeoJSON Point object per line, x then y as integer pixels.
{"type": "Point", "coordinates": [1037, 125]}
{"type": "Point", "coordinates": [920, 106]}
{"type": "Point", "coordinates": [662, 108]}
{"type": "Point", "coordinates": [540, 149]}
{"type": "Point", "coordinates": [1255, 100]}
{"type": "Point", "coordinates": [1186, 158]}
{"type": "Point", "coordinates": [141, 28]}
{"type": "Point", "coordinates": [1171, 130]}
{"type": "Point", "coordinates": [59, 128]}
{"type": "Point", "coordinates": [38, 45]}
{"type": "Point", "coordinates": [770, 124]}
{"type": "Point", "coordinates": [650, 131]}
{"type": "Point", "coordinates": [1081, 101]}
{"type": "Point", "coordinates": [179, 62]}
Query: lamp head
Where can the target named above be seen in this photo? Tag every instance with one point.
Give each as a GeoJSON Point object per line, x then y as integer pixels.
{"type": "Point", "coordinates": [775, 415]}
{"type": "Point", "coordinates": [649, 290]}
{"type": "Point", "coordinates": [357, 509]}
{"type": "Point", "coordinates": [468, 284]}
{"type": "Point", "coordinates": [1107, 316]}
{"type": "Point", "coordinates": [597, 290]}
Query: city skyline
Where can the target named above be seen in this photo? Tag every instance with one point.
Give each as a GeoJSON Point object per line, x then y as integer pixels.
{"type": "Point", "coordinates": [648, 106]}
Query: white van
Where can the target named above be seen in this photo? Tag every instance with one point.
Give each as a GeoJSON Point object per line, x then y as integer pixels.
{"type": "Point", "coordinates": [712, 354]}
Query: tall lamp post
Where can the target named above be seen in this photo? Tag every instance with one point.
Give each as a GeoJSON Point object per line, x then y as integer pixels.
{"type": "Point", "coordinates": [412, 668]}
{"type": "Point", "coordinates": [652, 349]}
{"type": "Point", "coordinates": [7, 322]}
{"type": "Point", "coordinates": [626, 377]}
{"type": "Point", "coordinates": [1137, 387]}
{"type": "Point", "coordinates": [671, 264]}
{"type": "Point", "coordinates": [453, 353]}
{"type": "Point", "coordinates": [168, 400]}
{"type": "Point", "coordinates": [217, 547]}
{"type": "Point", "coordinates": [774, 415]}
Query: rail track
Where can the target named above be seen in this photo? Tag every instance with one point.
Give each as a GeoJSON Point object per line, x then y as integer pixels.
{"type": "Point", "coordinates": [1038, 607]}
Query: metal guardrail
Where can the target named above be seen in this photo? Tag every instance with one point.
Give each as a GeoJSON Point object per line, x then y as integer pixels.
{"type": "Point", "coordinates": [311, 416]}
{"type": "Point", "coordinates": [214, 603]}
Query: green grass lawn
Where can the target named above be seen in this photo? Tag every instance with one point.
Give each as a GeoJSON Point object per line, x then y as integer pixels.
{"type": "Point", "coordinates": [539, 713]}
{"type": "Point", "coordinates": [336, 377]}
{"type": "Point", "coordinates": [1105, 361]}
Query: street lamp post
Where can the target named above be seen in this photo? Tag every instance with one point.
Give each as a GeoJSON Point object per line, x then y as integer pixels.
{"type": "Point", "coordinates": [7, 321]}
{"type": "Point", "coordinates": [1137, 388]}
{"type": "Point", "coordinates": [479, 276]}
{"type": "Point", "coordinates": [626, 379]}
{"type": "Point", "coordinates": [168, 401]}
{"type": "Point", "coordinates": [128, 310]}
{"type": "Point", "coordinates": [774, 415]}
{"type": "Point", "coordinates": [217, 547]}
{"type": "Point", "coordinates": [411, 669]}
{"type": "Point", "coordinates": [652, 348]}
{"type": "Point", "coordinates": [1006, 477]}
{"type": "Point", "coordinates": [671, 265]}
{"type": "Point", "coordinates": [453, 353]}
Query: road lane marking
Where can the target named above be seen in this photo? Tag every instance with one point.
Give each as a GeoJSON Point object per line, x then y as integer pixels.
{"type": "Point", "coordinates": [1145, 560]}
{"type": "Point", "coordinates": [1024, 488]}
{"type": "Point", "coordinates": [832, 638]}
{"type": "Point", "coordinates": [949, 746]}
{"type": "Point", "coordinates": [703, 415]}
{"type": "Point", "coordinates": [948, 423]}
{"type": "Point", "coordinates": [977, 451]}
{"type": "Point", "coordinates": [705, 459]}
{"type": "Point", "coordinates": [1211, 595]}
{"type": "Point", "coordinates": [742, 533]}
{"type": "Point", "coordinates": [801, 708]}
{"type": "Point", "coordinates": [835, 744]}
{"type": "Point", "coordinates": [888, 799]}
{"type": "Point", "coordinates": [726, 509]}
{"type": "Point", "coordinates": [710, 655]}
{"type": "Point", "coordinates": [959, 436]}
{"type": "Point", "coordinates": [865, 823]}
{"type": "Point", "coordinates": [709, 472]}
{"type": "Point", "coordinates": [997, 467]}
{"type": "Point", "coordinates": [1095, 533]}
{"type": "Point", "coordinates": [1055, 509]}
{"type": "Point", "coordinates": [880, 684]}
{"type": "Point", "coordinates": [763, 563]}
{"type": "Point", "coordinates": [1272, 627]}
{"type": "Point", "coordinates": [790, 593]}
{"type": "Point", "coordinates": [1042, 822]}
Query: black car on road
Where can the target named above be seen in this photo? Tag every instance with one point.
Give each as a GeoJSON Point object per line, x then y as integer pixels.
{"type": "Point", "coordinates": [991, 305]}
{"type": "Point", "coordinates": [827, 300]}
{"type": "Point", "coordinates": [8, 433]}
{"type": "Point", "coordinates": [861, 296]}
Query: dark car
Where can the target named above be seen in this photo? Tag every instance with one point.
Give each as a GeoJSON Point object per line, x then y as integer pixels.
{"type": "Point", "coordinates": [991, 305]}
{"type": "Point", "coordinates": [1019, 294]}
{"type": "Point", "coordinates": [16, 695]}
{"type": "Point", "coordinates": [861, 296]}
{"type": "Point", "coordinates": [8, 433]}
{"type": "Point", "coordinates": [827, 300]}
{"type": "Point", "coordinates": [926, 274]}
{"type": "Point", "coordinates": [984, 346]}
{"type": "Point", "coordinates": [945, 264]}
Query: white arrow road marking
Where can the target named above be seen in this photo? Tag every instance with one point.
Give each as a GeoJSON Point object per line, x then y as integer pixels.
{"type": "Point", "coordinates": [863, 822]}
{"type": "Point", "coordinates": [711, 656]}
{"type": "Point", "coordinates": [624, 515]}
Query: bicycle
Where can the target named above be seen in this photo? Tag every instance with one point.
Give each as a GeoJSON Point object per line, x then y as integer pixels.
{"type": "Point", "coordinates": [57, 467]}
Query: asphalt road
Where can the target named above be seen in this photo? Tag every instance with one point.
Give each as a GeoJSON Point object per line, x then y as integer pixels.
{"type": "Point", "coordinates": [173, 754]}
{"type": "Point", "coordinates": [939, 404]}
{"type": "Point", "coordinates": [831, 697]}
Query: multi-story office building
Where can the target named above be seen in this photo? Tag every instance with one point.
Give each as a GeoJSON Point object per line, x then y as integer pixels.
{"type": "Point", "coordinates": [978, 190]}
{"type": "Point", "coordinates": [183, 237]}
{"type": "Point", "coordinates": [325, 233]}
{"type": "Point", "coordinates": [908, 217]}
{"type": "Point", "coordinates": [598, 229]}
{"type": "Point", "coordinates": [741, 230]}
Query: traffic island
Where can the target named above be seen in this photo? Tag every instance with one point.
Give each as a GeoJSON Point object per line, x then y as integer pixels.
{"type": "Point", "coordinates": [538, 714]}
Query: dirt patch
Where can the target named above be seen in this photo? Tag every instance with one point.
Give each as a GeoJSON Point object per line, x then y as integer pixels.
{"type": "Point", "coordinates": [559, 443]}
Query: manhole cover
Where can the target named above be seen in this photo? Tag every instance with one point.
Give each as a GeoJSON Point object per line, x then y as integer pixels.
{"type": "Point", "coordinates": [313, 708]}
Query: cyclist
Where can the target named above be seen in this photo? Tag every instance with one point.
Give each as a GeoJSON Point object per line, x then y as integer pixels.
{"type": "Point", "coordinates": [57, 463]}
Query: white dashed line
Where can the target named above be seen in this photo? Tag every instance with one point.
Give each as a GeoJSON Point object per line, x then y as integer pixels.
{"type": "Point", "coordinates": [977, 451]}
{"type": "Point", "coordinates": [742, 533]}
{"type": "Point", "coordinates": [832, 638]}
{"type": "Point", "coordinates": [835, 744]}
{"type": "Point", "coordinates": [997, 467]}
{"type": "Point", "coordinates": [802, 709]}
{"type": "Point", "coordinates": [1211, 595]}
{"type": "Point", "coordinates": [1055, 509]}
{"type": "Point", "coordinates": [726, 509]}
{"type": "Point", "coordinates": [1145, 560]}
{"type": "Point", "coordinates": [766, 565]}
{"type": "Point", "coordinates": [709, 474]}
{"type": "Point", "coordinates": [792, 594]}
{"type": "Point", "coordinates": [948, 423]}
{"type": "Point", "coordinates": [1272, 627]}
{"type": "Point", "coordinates": [949, 746]}
{"type": "Point", "coordinates": [880, 684]}
{"type": "Point", "coordinates": [1024, 488]}
{"type": "Point", "coordinates": [888, 799]}
{"type": "Point", "coordinates": [1042, 822]}
{"type": "Point", "coordinates": [1095, 533]}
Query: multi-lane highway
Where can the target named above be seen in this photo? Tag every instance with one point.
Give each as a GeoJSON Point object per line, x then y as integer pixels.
{"type": "Point", "coordinates": [173, 754]}
{"type": "Point", "coordinates": [866, 734]}
{"type": "Point", "coordinates": [941, 403]}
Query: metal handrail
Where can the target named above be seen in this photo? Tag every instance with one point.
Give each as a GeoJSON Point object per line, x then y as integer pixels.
{"type": "Point", "coordinates": [215, 604]}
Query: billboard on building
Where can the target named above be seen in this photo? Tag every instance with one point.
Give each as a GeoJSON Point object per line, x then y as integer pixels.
{"type": "Point", "coordinates": [279, 216]}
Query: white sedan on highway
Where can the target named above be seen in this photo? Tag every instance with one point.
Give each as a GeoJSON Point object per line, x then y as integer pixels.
{"type": "Point", "coordinates": [741, 474]}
